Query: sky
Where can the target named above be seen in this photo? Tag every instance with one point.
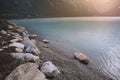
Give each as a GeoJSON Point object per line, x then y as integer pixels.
{"type": "Point", "coordinates": [106, 6]}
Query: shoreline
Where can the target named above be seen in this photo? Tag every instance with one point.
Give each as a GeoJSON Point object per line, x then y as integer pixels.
{"type": "Point", "coordinates": [73, 69]}
{"type": "Point", "coordinates": [70, 68]}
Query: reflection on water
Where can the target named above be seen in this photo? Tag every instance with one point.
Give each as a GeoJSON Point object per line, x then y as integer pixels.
{"type": "Point", "coordinates": [100, 40]}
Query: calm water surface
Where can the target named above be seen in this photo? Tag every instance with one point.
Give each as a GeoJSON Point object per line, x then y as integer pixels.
{"type": "Point", "coordinates": [97, 38]}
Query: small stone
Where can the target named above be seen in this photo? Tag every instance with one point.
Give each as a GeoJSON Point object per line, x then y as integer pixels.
{"type": "Point", "coordinates": [45, 41]}
{"type": "Point", "coordinates": [8, 34]}
{"type": "Point", "coordinates": [45, 46]}
{"type": "Point", "coordinates": [10, 26]}
{"type": "Point", "coordinates": [16, 40]}
{"type": "Point", "coordinates": [1, 49]}
{"type": "Point", "coordinates": [20, 50]}
{"type": "Point", "coordinates": [5, 47]}
{"type": "Point", "coordinates": [15, 35]}
{"type": "Point", "coordinates": [3, 32]}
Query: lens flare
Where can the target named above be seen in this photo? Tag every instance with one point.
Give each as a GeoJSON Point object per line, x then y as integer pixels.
{"type": "Point", "coordinates": [103, 6]}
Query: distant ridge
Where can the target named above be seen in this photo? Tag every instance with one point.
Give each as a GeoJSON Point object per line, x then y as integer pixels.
{"type": "Point", "coordinates": [49, 8]}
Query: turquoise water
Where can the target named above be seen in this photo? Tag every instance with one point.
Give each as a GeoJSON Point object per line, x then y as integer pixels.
{"type": "Point", "coordinates": [98, 38]}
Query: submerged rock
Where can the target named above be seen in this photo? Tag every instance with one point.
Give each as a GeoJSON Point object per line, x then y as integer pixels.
{"type": "Point", "coordinates": [25, 57]}
{"type": "Point", "coordinates": [45, 46]}
{"type": "Point", "coordinates": [17, 44]}
{"type": "Point", "coordinates": [45, 41]}
{"type": "Point", "coordinates": [81, 57]}
{"type": "Point", "coordinates": [28, 71]}
{"type": "Point", "coordinates": [50, 69]}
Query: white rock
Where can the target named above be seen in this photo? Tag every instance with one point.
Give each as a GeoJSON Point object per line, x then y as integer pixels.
{"type": "Point", "coordinates": [1, 49]}
{"type": "Point", "coordinates": [25, 57]}
{"type": "Point", "coordinates": [5, 47]}
{"type": "Point", "coordinates": [3, 32]}
{"type": "Point", "coordinates": [45, 41]}
{"type": "Point", "coordinates": [81, 57]}
{"type": "Point", "coordinates": [15, 34]}
{"type": "Point", "coordinates": [50, 69]}
{"type": "Point", "coordinates": [10, 26]}
{"type": "Point", "coordinates": [30, 47]}
{"type": "Point", "coordinates": [16, 40]}
{"type": "Point", "coordinates": [17, 44]}
{"type": "Point", "coordinates": [8, 34]}
{"type": "Point", "coordinates": [20, 50]}
{"type": "Point", "coordinates": [28, 71]}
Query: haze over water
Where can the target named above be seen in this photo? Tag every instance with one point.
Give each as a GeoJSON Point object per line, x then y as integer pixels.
{"type": "Point", "coordinates": [98, 38]}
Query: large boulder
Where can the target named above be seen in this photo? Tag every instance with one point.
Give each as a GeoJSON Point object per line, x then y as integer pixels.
{"type": "Point", "coordinates": [28, 71]}
{"type": "Point", "coordinates": [81, 57]}
{"type": "Point", "coordinates": [30, 47]}
{"type": "Point", "coordinates": [25, 57]}
{"type": "Point", "coordinates": [17, 45]}
{"type": "Point", "coordinates": [49, 69]}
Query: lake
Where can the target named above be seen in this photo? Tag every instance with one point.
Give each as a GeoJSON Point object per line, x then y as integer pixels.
{"type": "Point", "coordinates": [98, 38]}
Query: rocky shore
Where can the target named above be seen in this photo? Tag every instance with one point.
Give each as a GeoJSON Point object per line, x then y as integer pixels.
{"type": "Point", "coordinates": [24, 57]}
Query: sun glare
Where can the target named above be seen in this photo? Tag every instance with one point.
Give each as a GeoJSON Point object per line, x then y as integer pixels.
{"type": "Point", "coordinates": [103, 6]}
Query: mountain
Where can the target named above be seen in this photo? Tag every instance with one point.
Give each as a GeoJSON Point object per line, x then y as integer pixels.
{"type": "Point", "coordinates": [50, 8]}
